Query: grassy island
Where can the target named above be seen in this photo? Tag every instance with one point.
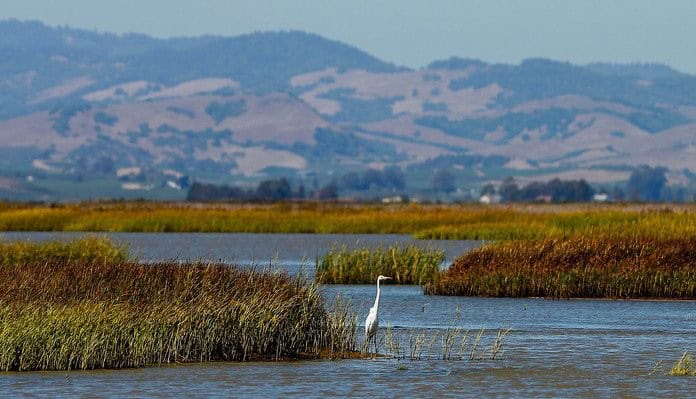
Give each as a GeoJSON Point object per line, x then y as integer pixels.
{"type": "Point", "coordinates": [69, 309]}
{"type": "Point", "coordinates": [602, 266]}
{"type": "Point", "coordinates": [404, 264]}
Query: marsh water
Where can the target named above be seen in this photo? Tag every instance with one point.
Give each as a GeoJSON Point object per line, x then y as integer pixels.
{"type": "Point", "coordinates": [555, 348]}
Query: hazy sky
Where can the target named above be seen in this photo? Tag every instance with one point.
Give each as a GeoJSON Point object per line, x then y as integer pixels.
{"type": "Point", "coordinates": [412, 33]}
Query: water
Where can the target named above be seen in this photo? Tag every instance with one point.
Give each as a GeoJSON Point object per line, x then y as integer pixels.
{"type": "Point", "coordinates": [291, 251]}
{"type": "Point", "coordinates": [566, 348]}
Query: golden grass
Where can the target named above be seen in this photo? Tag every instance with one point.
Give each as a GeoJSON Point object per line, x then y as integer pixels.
{"type": "Point", "coordinates": [600, 266]}
{"type": "Point", "coordinates": [423, 221]}
{"type": "Point", "coordinates": [92, 249]}
{"type": "Point", "coordinates": [407, 264]}
{"type": "Point", "coordinates": [684, 367]}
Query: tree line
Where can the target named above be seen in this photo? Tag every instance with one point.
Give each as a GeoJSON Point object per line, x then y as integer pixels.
{"type": "Point", "coordinates": [645, 183]}
{"type": "Point", "coordinates": [267, 191]}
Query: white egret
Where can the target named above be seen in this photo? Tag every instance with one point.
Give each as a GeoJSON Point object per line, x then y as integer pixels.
{"type": "Point", "coordinates": [372, 320]}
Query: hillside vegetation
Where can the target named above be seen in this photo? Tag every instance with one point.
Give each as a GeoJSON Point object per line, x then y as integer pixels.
{"type": "Point", "coordinates": [87, 115]}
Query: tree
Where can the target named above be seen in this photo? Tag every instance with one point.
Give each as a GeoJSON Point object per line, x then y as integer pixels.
{"type": "Point", "coordinates": [301, 192]}
{"type": "Point", "coordinates": [488, 189]}
{"type": "Point", "coordinates": [508, 190]}
{"type": "Point", "coordinates": [393, 176]}
{"type": "Point", "coordinates": [372, 178]}
{"type": "Point", "coordinates": [646, 183]}
{"type": "Point", "coordinates": [328, 192]}
{"type": "Point", "coordinates": [569, 190]}
{"type": "Point", "coordinates": [617, 194]}
{"type": "Point", "coordinates": [210, 192]}
{"type": "Point", "coordinates": [353, 181]}
{"type": "Point", "coordinates": [443, 180]}
{"type": "Point", "coordinates": [273, 190]}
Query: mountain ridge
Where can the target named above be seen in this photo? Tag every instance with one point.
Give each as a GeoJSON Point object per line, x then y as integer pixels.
{"type": "Point", "coordinates": [79, 106]}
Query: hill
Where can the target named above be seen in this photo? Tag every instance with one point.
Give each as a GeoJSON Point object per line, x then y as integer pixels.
{"type": "Point", "coordinates": [86, 114]}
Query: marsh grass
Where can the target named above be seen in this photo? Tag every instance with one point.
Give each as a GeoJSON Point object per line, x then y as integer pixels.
{"type": "Point", "coordinates": [91, 249]}
{"type": "Point", "coordinates": [450, 344]}
{"type": "Point", "coordinates": [68, 312]}
{"type": "Point", "coordinates": [601, 266]}
{"type": "Point", "coordinates": [684, 367]}
{"type": "Point", "coordinates": [406, 264]}
{"type": "Point", "coordinates": [508, 222]}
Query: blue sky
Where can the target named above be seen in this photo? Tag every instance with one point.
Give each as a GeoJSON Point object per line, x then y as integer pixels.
{"type": "Point", "coordinates": [412, 33]}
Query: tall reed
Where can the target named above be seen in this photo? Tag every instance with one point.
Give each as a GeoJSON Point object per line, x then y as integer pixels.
{"type": "Point", "coordinates": [407, 264]}
{"type": "Point", "coordinates": [450, 344]}
{"type": "Point", "coordinates": [85, 314]}
{"type": "Point", "coordinates": [91, 248]}
{"type": "Point", "coordinates": [603, 266]}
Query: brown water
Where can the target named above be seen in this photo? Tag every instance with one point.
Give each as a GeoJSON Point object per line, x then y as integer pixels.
{"type": "Point", "coordinates": [567, 348]}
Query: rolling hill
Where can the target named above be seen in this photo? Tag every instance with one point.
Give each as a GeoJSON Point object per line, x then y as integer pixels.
{"type": "Point", "coordinates": [86, 114]}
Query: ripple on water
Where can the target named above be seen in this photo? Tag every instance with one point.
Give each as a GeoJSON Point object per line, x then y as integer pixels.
{"type": "Point", "coordinates": [566, 348]}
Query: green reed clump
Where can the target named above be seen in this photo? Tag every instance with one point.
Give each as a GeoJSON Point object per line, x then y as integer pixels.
{"type": "Point", "coordinates": [408, 264]}
{"type": "Point", "coordinates": [684, 367]}
{"type": "Point", "coordinates": [92, 249]}
{"type": "Point", "coordinates": [601, 266]}
{"type": "Point", "coordinates": [57, 315]}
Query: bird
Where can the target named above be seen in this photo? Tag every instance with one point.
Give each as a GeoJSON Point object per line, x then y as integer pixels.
{"type": "Point", "coordinates": [372, 321]}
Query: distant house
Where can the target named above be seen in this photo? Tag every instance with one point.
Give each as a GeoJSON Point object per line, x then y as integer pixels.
{"type": "Point", "coordinates": [490, 199]}
{"type": "Point", "coordinates": [397, 199]}
{"type": "Point", "coordinates": [600, 197]}
{"type": "Point", "coordinates": [547, 199]}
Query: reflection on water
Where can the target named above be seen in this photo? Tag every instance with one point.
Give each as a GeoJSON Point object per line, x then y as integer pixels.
{"type": "Point", "coordinates": [566, 348]}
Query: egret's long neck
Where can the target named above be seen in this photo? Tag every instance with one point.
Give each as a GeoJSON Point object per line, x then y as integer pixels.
{"type": "Point", "coordinates": [377, 298]}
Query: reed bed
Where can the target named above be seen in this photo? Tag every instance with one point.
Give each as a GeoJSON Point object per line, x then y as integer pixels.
{"type": "Point", "coordinates": [503, 222]}
{"type": "Point", "coordinates": [89, 249]}
{"type": "Point", "coordinates": [88, 314]}
{"type": "Point", "coordinates": [602, 266]}
{"type": "Point", "coordinates": [407, 264]}
{"type": "Point", "coordinates": [448, 345]}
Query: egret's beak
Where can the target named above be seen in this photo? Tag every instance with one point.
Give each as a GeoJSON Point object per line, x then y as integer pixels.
{"type": "Point", "coordinates": [387, 278]}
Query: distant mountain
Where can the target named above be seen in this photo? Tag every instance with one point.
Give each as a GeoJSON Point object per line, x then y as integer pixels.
{"type": "Point", "coordinates": [263, 62]}
{"type": "Point", "coordinates": [637, 70]}
{"type": "Point", "coordinates": [86, 114]}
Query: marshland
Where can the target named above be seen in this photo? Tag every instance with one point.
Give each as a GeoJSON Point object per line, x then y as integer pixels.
{"type": "Point", "coordinates": [188, 293]}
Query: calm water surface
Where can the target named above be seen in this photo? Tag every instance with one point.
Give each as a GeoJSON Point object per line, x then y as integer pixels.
{"type": "Point", "coordinates": [291, 251]}
{"type": "Point", "coordinates": [567, 348]}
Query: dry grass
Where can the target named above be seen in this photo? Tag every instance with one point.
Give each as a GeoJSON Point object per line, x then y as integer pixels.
{"type": "Point", "coordinates": [603, 266]}
{"type": "Point", "coordinates": [684, 367]}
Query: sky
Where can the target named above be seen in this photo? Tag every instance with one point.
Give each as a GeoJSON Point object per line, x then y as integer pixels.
{"type": "Point", "coordinates": [412, 33]}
